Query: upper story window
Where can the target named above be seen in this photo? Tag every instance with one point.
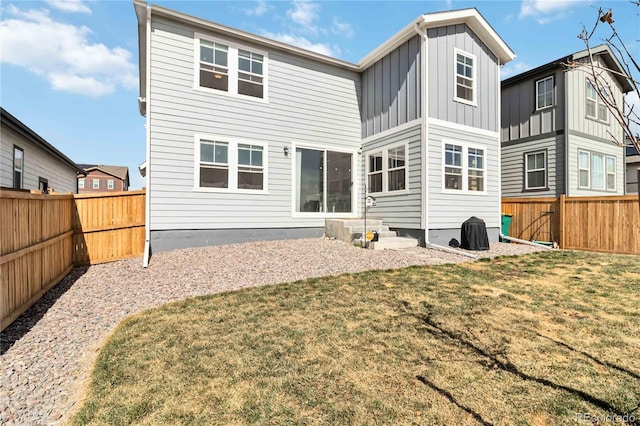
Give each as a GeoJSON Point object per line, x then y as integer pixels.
{"type": "Point", "coordinates": [465, 77]}
{"type": "Point", "coordinates": [595, 107]}
{"type": "Point", "coordinates": [387, 170]}
{"type": "Point", "coordinates": [544, 93]}
{"type": "Point", "coordinates": [111, 184]}
{"type": "Point", "coordinates": [230, 69]}
{"type": "Point", "coordinates": [464, 168]}
{"type": "Point", "coordinates": [230, 165]}
{"type": "Point", "coordinates": [535, 170]}
{"type": "Point", "coordinates": [18, 167]}
{"type": "Point", "coordinates": [81, 183]}
{"type": "Point", "coordinates": [95, 183]}
{"type": "Point", "coordinates": [214, 69]}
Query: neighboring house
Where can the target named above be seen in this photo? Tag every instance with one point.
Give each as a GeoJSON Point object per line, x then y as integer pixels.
{"type": "Point", "coordinates": [632, 161]}
{"type": "Point", "coordinates": [99, 178]}
{"type": "Point", "coordinates": [252, 139]}
{"type": "Point", "coordinates": [27, 161]}
{"type": "Point", "coordinates": [557, 136]}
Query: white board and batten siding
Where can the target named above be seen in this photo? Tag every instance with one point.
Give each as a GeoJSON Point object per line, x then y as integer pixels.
{"type": "Point", "coordinates": [401, 210]}
{"type": "Point", "coordinates": [309, 104]}
{"type": "Point", "coordinates": [447, 210]}
{"type": "Point", "coordinates": [37, 164]}
{"type": "Point", "coordinates": [513, 167]}
{"type": "Point", "coordinates": [442, 43]}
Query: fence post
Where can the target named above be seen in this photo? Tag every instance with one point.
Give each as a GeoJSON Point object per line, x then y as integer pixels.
{"type": "Point", "coordinates": [561, 220]}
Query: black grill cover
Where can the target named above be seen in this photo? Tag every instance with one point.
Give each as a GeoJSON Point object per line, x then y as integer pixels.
{"type": "Point", "coordinates": [473, 234]}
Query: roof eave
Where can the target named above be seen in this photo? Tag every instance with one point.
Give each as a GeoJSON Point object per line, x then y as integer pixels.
{"type": "Point", "coordinates": [603, 49]}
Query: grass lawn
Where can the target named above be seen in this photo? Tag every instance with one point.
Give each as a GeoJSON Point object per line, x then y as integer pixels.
{"type": "Point", "coordinates": [548, 338]}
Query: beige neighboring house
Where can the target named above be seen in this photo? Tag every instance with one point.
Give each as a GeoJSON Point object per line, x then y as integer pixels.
{"type": "Point", "coordinates": [632, 160]}
{"type": "Point", "coordinates": [101, 178]}
{"type": "Point", "coordinates": [27, 161]}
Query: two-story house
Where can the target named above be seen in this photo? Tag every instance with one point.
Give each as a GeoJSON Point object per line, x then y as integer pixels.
{"type": "Point", "coordinates": [558, 136]}
{"type": "Point", "coordinates": [28, 161]}
{"type": "Point", "coordinates": [252, 139]}
{"type": "Point", "coordinates": [101, 178]}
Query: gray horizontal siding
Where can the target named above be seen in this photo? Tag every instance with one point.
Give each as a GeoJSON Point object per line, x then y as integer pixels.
{"type": "Point", "coordinates": [513, 167]}
{"type": "Point", "coordinates": [520, 119]}
{"type": "Point", "coordinates": [577, 143]}
{"type": "Point", "coordinates": [441, 78]}
{"type": "Point", "coordinates": [391, 89]}
{"type": "Point", "coordinates": [37, 163]}
{"type": "Point", "coordinates": [308, 103]}
{"type": "Point", "coordinates": [448, 210]}
{"type": "Point", "coordinates": [399, 211]}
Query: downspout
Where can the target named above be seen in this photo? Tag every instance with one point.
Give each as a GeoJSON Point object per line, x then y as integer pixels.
{"type": "Point", "coordinates": [147, 204]}
{"type": "Point", "coordinates": [566, 135]}
{"type": "Point", "coordinates": [424, 141]}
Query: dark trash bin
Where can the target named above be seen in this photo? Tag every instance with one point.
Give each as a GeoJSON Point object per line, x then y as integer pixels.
{"type": "Point", "coordinates": [473, 234]}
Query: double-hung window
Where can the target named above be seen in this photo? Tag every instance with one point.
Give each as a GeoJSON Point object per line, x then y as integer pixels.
{"type": "Point", "coordinates": [387, 170]}
{"type": "Point", "coordinates": [81, 183]}
{"type": "Point", "coordinates": [595, 107]}
{"type": "Point", "coordinates": [231, 69]}
{"type": "Point", "coordinates": [535, 170]}
{"type": "Point", "coordinates": [111, 184]}
{"type": "Point", "coordinates": [18, 167]}
{"type": "Point", "coordinates": [464, 167]}
{"type": "Point", "coordinates": [596, 171]}
{"type": "Point", "coordinates": [95, 183]}
{"type": "Point", "coordinates": [544, 93]}
{"type": "Point", "coordinates": [228, 165]}
{"type": "Point", "coordinates": [464, 87]}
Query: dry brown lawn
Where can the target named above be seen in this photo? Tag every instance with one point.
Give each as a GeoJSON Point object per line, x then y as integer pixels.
{"type": "Point", "coordinates": [548, 338]}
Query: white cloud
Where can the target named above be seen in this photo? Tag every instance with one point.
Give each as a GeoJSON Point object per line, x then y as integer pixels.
{"type": "Point", "coordinates": [545, 11]}
{"type": "Point", "coordinates": [260, 9]}
{"type": "Point", "coordinates": [63, 55]}
{"type": "Point", "coordinates": [76, 6]}
{"type": "Point", "coordinates": [340, 27]}
{"type": "Point", "coordinates": [322, 48]}
{"type": "Point", "coordinates": [305, 14]}
{"type": "Point", "coordinates": [513, 68]}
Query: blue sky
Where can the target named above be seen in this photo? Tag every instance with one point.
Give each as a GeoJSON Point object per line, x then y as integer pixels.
{"type": "Point", "coordinates": [69, 69]}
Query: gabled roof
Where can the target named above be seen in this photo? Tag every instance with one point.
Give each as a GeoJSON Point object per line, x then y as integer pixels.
{"type": "Point", "coordinates": [603, 51]}
{"type": "Point", "coordinates": [9, 121]}
{"type": "Point", "coordinates": [470, 17]}
{"type": "Point", "coordinates": [120, 172]}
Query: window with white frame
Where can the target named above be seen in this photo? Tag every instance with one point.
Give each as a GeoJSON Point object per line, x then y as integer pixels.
{"type": "Point", "coordinates": [81, 183]}
{"type": "Point", "coordinates": [464, 77]}
{"type": "Point", "coordinates": [95, 183]}
{"type": "Point", "coordinates": [231, 69]}
{"type": "Point", "coordinates": [387, 170]}
{"type": "Point", "coordinates": [111, 184]}
{"type": "Point", "coordinates": [596, 171]}
{"type": "Point", "coordinates": [464, 167]}
{"type": "Point", "coordinates": [544, 93]}
{"type": "Point", "coordinates": [18, 167]}
{"type": "Point", "coordinates": [230, 165]}
{"type": "Point", "coordinates": [535, 170]}
{"type": "Point", "coordinates": [595, 107]}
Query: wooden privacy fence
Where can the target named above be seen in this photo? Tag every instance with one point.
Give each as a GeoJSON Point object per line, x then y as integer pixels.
{"type": "Point", "coordinates": [108, 227]}
{"type": "Point", "coordinates": [608, 224]}
{"type": "Point", "coordinates": [43, 236]}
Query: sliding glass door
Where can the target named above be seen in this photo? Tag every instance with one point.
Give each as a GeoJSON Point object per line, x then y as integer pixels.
{"type": "Point", "coordinates": [323, 181]}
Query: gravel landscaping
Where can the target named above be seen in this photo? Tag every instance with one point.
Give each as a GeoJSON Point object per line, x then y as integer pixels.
{"type": "Point", "coordinates": [46, 355]}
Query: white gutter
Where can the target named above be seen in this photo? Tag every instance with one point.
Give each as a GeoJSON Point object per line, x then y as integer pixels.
{"type": "Point", "coordinates": [147, 202]}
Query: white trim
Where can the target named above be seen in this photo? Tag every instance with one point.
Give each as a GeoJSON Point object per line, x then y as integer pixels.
{"type": "Point", "coordinates": [402, 127]}
{"type": "Point", "coordinates": [465, 167]}
{"type": "Point", "coordinates": [474, 83]}
{"type": "Point", "coordinates": [385, 169]}
{"type": "Point", "coordinates": [232, 163]}
{"type": "Point", "coordinates": [424, 137]}
{"type": "Point", "coordinates": [462, 127]}
{"type": "Point", "coordinates": [93, 183]}
{"type": "Point", "coordinates": [81, 183]}
{"type": "Point", "coordinates": [526, 170]}
{"type": "Point", "coordinates": [553, 97]}
{"type": "Point", "coordinates": [232, 66]}
{"type": "Point", "coordinates": [111, 184]}
{"type": "Point", "coordinates": [147, 125]}
{"type": "Point", "coordinates": [354, 179]}
{"type": "Point", "coordinates": [606, 173]}
{"type": "Point", "coordinates": [588, 169]}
